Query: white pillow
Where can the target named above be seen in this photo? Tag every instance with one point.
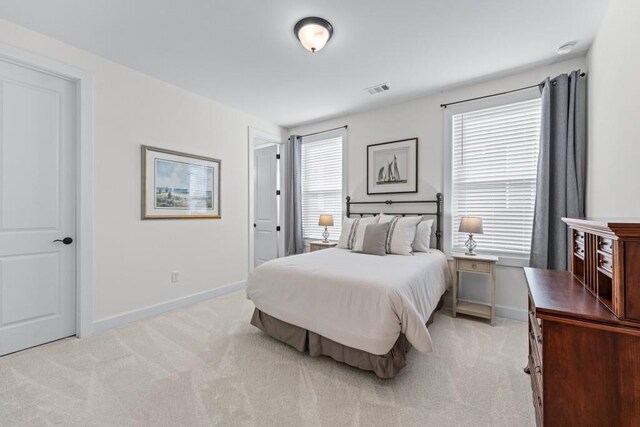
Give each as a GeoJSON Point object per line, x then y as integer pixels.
{"type": "Point", "coordinates": [422, 242]}
{"type": "Point", "coordinates": [345, 234]}
{"type": "Point", "coordinates": [359, 234]}
{"type": "Point", "coordinates": [352, 228]}
{"type": "Point", "coordinates": [402, 232]}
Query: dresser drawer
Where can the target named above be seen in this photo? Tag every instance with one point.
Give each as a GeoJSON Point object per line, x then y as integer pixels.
{"type": "Point", "coordinates": [536, 392]}
{"type": "Point", "coordinates": [605, 245]}
{"type": "Point", "coordinates": [474, 266]}
{"type": "Point", "coordinates": [535, 331]}
{"type": "Point", "coordinates": [579, 251]}
{"type": "Point", "coordinates": [605, 262]}
{"type": "Point", "coordinates": [535, 359]}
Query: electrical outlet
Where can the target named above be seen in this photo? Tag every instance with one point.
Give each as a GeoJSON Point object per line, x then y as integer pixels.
{"type": "Point", "coordinates": [175, 276]}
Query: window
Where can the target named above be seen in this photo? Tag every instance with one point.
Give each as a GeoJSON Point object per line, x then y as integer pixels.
{"type": "Point", "coordinates": [322, 184]}
{"type": "Point", "coordinates": [493, 175]}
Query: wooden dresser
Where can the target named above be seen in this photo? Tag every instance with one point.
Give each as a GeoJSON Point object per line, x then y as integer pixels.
{"type": "Point", "coordinates": [584, 329]}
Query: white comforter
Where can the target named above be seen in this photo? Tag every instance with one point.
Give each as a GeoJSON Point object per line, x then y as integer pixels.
{"type": "Point", "coordinates": [358, 300]}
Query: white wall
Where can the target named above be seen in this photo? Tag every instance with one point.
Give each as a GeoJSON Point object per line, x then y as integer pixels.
{"type": "Point", "coordinates": [614, 114]}
{"type": "Point", "coordinates": [134, 258]}
{"type": "Point", "coordinates": [424, 118]}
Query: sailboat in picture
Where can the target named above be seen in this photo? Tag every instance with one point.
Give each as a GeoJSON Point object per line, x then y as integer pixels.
{"type": "Point", "coordinates": [390, 174]}
{"type": "Point", "coordinates": [392, 167]}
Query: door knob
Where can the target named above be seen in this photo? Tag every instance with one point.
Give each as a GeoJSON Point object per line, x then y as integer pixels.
{"type": "Point", "coordinates": [66, 240]}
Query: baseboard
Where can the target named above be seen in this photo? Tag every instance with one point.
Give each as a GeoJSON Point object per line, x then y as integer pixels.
{"type": "Point", "coordinates": [512, 313]}
{"type": "Point", "coordinates": [501, 310]}
{"type": "Point", "coordinates": [110, 322]}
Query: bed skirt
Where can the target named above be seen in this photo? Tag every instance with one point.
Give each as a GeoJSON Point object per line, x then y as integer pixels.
{"type": "Point", "coordinates": [384, 366]}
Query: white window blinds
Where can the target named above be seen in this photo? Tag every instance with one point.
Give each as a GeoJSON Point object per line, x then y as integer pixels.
{"type": "Point", "coordinates": [321, 186]}
{"type": "Point", "coordinates": [495, 155]}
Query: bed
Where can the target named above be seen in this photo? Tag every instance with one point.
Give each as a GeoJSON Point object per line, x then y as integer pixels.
{"type": "Point", "coordinates": [359, 309]}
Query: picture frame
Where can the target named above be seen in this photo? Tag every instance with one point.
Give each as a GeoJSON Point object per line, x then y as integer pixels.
{"type": "Point", "coordinates": [392, 167]}
{"type": "Point", "coordinates": [178, 185]}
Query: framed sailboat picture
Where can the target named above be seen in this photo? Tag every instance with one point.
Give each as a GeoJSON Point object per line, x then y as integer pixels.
{"type": "Point", "coordinates": [179, 185]}
{"type": "Point", "coordinates": [392, 167]}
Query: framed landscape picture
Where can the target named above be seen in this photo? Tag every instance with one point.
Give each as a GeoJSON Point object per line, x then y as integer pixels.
{"type": "Point", "coordinates": [179, 185]}
{"type": "Point", "coordinates": [392, 167]}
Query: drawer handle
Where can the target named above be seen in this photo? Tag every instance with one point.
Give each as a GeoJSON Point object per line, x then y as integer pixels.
{"type": "Point", "coordinates": [538, 370]}
{"type": "Point", "coordinates": [539, 340]}
{"type": "Point", "coordinates": [539, 401]}
{"type": "Point", "coordinates": [473, 265]}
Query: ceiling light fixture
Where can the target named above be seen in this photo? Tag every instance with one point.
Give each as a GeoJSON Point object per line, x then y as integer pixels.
{"type": "Point", "coordinates": [313, 33]}
{"type": "Point", "coordinates": [566, 48]}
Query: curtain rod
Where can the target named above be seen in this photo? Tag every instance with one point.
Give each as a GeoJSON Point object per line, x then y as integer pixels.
{"type": "Point", "coordinates": [322, 131]}
{"type": "Point", "coordinates": [497, 94]}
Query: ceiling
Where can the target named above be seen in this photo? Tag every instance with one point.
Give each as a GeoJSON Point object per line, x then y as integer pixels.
{"type": "Point", "coordinates": [243, 52]}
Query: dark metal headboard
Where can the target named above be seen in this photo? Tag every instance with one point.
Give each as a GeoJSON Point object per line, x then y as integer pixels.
{"type": "Point", "coordinates": [437, 213]}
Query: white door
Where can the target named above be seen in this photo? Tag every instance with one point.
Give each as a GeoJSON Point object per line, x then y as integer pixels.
{"type": "Point", "coordinates": [265, 205]}
{"type": "Point", "coordinates": [37, 206]}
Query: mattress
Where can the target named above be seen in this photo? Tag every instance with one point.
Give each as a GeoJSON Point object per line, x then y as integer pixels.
{"type": "Point", "coordinates": [357, 300]}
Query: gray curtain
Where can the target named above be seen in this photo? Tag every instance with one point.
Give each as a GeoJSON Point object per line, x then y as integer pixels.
{"type": "Point", "coordinates": [293, 203]}
{"type": "Point", "coordinates": [561, 170]}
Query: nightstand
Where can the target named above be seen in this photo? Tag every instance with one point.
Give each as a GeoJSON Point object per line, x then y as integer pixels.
{"type": "Point", "coordinates": [316, 246]}
{"type": "Point", "coordinates": [482, 264]}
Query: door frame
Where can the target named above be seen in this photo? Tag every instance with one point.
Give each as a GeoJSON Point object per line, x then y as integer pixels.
{"type": "Point", "coordinates": [84, 180]}
{"type": "Point", "coordinates": [260, 139]}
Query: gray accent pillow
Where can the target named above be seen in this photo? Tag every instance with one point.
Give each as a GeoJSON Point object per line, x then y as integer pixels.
{"type": "Point", "coordinates": [375, 236]}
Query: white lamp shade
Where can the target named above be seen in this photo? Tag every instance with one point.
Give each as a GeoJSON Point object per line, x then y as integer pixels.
{"type": "Point", "coordinates": [326, 220]}
{"type": "Point", "coordinates": [313, 32]}
{"type": "Point", "coordinates": [313, 37]}
{"type": "Point", "coordinates": [471, 224]}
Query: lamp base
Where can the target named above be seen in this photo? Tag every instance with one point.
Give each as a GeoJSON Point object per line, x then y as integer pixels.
{"type": "Point", "coordinates": [470, 244]}
{"type": "Point", "coordinates": [325, 234]}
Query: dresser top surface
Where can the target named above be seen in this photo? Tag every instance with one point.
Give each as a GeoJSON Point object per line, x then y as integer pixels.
{"type": "Point", "coordinates": [622, 227]}
{"type": "Point", "coordinates": [560, 293]}
{"type": "Point", "coordinates": [604, 221]}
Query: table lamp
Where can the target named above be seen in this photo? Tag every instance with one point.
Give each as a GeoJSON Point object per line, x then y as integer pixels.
{"type": "Point", "coordinates": [471, 225]}
{"type": "Point", "coordinates": [325, 221]}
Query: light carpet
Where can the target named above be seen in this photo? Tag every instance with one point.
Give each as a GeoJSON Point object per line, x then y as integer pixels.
{"type": "Point", "coordinates": [205, 365]}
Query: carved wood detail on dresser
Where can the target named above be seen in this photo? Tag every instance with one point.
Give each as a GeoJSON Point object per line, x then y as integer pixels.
{"type": "Point", "coordinates": [584, 329]}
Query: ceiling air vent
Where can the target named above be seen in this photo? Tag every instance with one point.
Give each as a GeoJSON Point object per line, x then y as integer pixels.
{"type": "Point", "coordinates": [377, 89]}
